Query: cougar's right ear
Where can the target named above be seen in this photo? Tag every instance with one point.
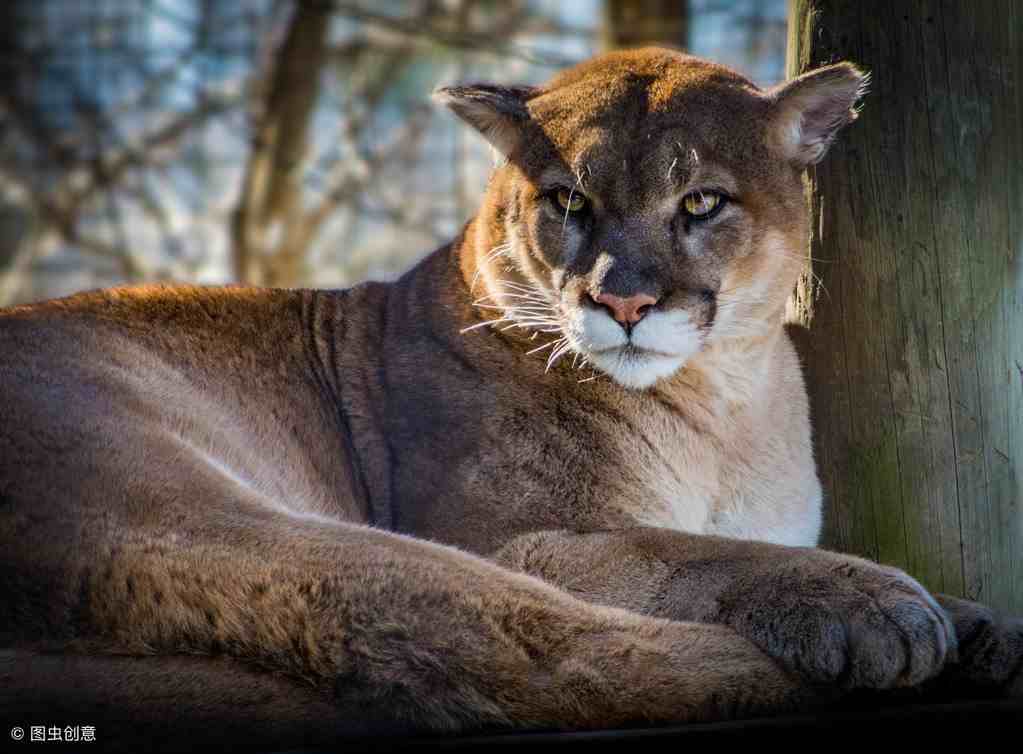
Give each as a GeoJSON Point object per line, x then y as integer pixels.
{"type": "Point", "coordinates": [498, 112]}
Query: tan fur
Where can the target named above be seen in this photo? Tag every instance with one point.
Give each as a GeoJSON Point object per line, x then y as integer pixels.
{"type": "Point", "coordinates": [352, 499]}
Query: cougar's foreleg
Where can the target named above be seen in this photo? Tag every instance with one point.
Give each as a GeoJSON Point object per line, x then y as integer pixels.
{"type": "Point", "coordinates": [398, 633]}
{"type": "Point", "coordinates": [834, 618]}
{"type": "Point", "coordinates": [990, 658]}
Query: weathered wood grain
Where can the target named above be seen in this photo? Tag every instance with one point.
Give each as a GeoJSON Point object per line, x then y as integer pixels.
{"type": "Point", "coordinates": [915, 351]}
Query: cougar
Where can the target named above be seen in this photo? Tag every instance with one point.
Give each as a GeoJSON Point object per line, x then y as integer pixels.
{"type": "Point", "coordinates": [557, 476]}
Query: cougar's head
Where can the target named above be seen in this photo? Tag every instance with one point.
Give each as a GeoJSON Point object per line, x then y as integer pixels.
{"type": "Point", "coordinates": [648, 204]}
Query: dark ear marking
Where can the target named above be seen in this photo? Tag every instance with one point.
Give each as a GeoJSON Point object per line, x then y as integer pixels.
{"type": "Point", "coordinates": [499, 113]}
{"type": "Point", "coordinates": [809, 111]}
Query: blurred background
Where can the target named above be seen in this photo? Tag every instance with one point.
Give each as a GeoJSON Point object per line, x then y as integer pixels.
{"type": "Point", "coordinates": [281, 142]}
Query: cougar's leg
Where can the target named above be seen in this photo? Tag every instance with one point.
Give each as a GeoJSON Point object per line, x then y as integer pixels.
{"type": "Point", "coordinates": [393, 631]}
{"type": "Point", "coordinates": [834, 618]}
{"type": "Point", "coordinates": [161, 551]}
{"type": "Point", "coordinates": [990, 661]}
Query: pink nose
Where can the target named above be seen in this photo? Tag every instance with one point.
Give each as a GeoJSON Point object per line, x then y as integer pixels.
{"type": "Point", "coordinates": [629, 310]}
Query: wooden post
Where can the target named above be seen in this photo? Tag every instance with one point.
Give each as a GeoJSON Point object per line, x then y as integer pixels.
{"type": "Point", "coordinates": [914, 355]}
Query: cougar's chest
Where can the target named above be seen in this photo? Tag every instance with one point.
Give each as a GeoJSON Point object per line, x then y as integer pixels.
{"type": "Point", "coordinates": [731, 481]}
{"type": "Point", "coordinates": [670, 474]}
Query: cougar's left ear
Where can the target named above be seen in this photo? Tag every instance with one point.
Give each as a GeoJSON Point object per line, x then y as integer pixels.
{"type": "Point", "coordinates": [809, 111]}
{"type": "Point", "coordinates": [497, 112]}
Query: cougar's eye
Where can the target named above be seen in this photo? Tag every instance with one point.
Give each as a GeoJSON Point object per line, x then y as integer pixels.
{"type": "Point", "coordinates": [702, 204]}
{"type": "Point", "coordinates": [571, 200]}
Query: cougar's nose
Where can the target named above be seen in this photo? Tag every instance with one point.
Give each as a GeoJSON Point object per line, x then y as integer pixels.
{"type": "Point", "coordinates": [628, 311]}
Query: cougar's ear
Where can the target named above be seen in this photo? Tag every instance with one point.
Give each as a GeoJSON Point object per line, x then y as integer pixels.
{"type": "Point", "coordinates": [809, 111]}
{"type": "Point", "coordinates": [497, 112]}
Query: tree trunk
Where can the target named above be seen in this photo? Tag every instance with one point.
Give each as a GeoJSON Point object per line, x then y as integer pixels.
{"type": "Point", "coordinates": [633, 23]}
{"type": "Point", "coordinates": [914, 355]}
{"type": "Point", "coordinates": [269, 240]}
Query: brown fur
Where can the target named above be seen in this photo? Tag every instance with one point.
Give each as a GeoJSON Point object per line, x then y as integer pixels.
{"type": "Point", "coordinates": [280, 479]}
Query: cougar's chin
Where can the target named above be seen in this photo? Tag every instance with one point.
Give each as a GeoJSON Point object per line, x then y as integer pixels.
{"type": "Point", "coordinates": [656, 347]}
{"type": "Point", "coordinates": [635, 368]}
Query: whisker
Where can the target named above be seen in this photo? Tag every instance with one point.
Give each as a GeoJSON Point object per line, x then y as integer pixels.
{"type": "Point", "coordinates": [516, 293]}
{"type": "Point", "coordinates": [557, 354]}
{"type": "Point", "coordinates": [526, 297]}
{"type": "Point", "coordinates": [523, 307]}
{"type": "Point", "coordinates": [515, 309]}
{"type": "Point", "coordinates": [490, 256]}
{"type": "Point", "coordinates": [545, 345]}
{"type": "Point", "coordinates": [478, 325]}
{"type": "Point", "coordinates": [522, 325]}
{"type": "Point", "coordinates": [535, 322]}
{"type": "Point", "coordinates": [571, 193]}
{"type": "Point", "coordinates": [524, 301]}
{"type": "Point", "coordinates": [520, 286]}
{"type": "Point", "coordinates": [800, 256]}
{"type": "Point", "coordinates": [525, 312]}
{"type": "Point", "coordinates": [545, 327]}
{"type": "Point", "coordinates": [737, 300]}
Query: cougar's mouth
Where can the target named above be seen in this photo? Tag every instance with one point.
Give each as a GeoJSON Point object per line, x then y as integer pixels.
{"type": "Point", "coordinates": [630, 350]}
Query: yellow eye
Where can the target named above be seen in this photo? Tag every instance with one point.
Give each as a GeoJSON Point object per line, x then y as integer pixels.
{"type": "Point", "coordinates": [700, 203]}
{"type": "Point", "coordinates": [570, 200]}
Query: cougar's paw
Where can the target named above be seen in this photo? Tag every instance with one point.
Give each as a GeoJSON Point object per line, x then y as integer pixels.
{"type": "Point", "coordinates": [990, 657]}
{"type": "Point", "coordinates": [841, 620]}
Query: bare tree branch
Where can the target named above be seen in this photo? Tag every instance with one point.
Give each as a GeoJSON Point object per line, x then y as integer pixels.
{"type": "Point", "coordinates": [494, 41]}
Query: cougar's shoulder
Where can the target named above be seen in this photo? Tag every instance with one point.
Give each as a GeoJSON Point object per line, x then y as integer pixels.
{"type": "Point", "coordinates": [256, 384]}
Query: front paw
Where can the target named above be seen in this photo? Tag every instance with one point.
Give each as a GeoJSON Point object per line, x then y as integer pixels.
{"type": "Point", "coordinates": [841, 620]}
{"type": "Point", "coordinates": [990, 657]}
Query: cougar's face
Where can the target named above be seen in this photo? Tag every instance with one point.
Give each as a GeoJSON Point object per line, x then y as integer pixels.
{"type": "Point", "coordinates": [631, 235]}
{"type": "Point", "coordinates": [652, 205]}
{"type": "Point", "coordinates": [633, 262]}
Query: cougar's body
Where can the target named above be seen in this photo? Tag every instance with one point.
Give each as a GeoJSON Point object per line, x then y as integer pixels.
{"type": "Point", "coordinates": [547, 479]}
{"type": "Point", "coordinates": [404, 436]}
